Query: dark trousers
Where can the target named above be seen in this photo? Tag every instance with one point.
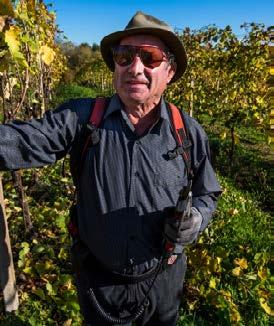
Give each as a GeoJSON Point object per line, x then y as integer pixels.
{"type": "Point", "coordinates": [120, 299]}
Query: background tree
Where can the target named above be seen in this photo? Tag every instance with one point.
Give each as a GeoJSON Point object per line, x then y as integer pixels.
{"type": "Point", "coordinates": [226, 77]}
{"type": "Point", "coordinates": [86, 67]}
{"type": "Point", "coordinates": [31, 65]}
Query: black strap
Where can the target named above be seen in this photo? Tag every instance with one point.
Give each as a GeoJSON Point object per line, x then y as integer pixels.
{"type": "Point", "coordinates": [89, 136]}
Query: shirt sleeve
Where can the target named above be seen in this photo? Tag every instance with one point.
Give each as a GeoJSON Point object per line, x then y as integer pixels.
{"type": "Point", "coordinates": [38, 142]}
{"type": "Point", "coordinates": [205, 187]}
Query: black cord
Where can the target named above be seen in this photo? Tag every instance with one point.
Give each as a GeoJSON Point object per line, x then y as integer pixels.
{"type": "Point", "coordinates": [139, 311]}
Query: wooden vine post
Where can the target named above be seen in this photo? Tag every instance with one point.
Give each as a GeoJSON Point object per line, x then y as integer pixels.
{"type": "Point", "coordinates": [7, 274]}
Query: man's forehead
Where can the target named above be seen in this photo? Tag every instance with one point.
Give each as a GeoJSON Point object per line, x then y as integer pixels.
{"type": "Point", "coordinates": [143, 39]}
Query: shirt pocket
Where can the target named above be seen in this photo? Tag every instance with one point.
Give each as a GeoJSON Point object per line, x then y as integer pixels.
{"type": "Point", "coordinates": [166, 179]}
{"type": "Point", "coordinates": [170, 173]}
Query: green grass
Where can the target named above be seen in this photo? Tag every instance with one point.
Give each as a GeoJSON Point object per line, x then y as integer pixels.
{"type": "Point", "coordinates": [65, 92]}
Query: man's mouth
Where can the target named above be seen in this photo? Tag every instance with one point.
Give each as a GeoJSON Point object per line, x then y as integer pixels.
{"type": "Point", "coordinates": [137, 82]}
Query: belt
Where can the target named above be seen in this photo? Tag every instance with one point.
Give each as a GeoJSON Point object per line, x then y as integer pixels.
{"type": "Point", "coordinates": [84, 258]}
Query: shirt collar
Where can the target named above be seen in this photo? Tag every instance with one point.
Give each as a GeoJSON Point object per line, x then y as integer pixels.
{"type": "Point", "coordinates": [116, 104]}
{"type": "Point", "coordinates": [163, 110]}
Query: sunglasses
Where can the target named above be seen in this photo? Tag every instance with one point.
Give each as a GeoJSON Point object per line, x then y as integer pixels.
{"type": "Point", "coordinates": [151, 56]}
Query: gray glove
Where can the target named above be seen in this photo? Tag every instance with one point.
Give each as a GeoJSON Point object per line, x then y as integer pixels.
{"type": "Point", "coordinates": [185, 231]}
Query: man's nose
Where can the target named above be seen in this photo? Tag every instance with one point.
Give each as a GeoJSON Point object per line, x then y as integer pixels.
{"type": "Point", "coordinates": [137, 66]}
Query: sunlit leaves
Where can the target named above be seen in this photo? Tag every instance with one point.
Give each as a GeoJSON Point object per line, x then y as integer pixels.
{"type": "Point", "coordinates": [11, 38]}
{"type": "Point", "coordinates": [241, 262]}
{"type": "Point", "coordinates": [227, 268]}
{"type": "Point", "coordinates": [226, 77]}
{"type": "Point", "coordinates": [30, 53]}
{"type": "Point", "coordinates": [47, 54]}
{"type": "Point", "coordinates": [266, 307]}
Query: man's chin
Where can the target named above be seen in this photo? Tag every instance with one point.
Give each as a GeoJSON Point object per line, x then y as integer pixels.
{"type": "Point", "coordinates": [136, 98]}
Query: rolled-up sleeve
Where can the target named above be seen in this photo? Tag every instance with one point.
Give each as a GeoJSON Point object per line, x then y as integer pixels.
{"type": "Point", "coordinates": [205, 187]}
{"type": "Point", "coordinates": [38, 142]}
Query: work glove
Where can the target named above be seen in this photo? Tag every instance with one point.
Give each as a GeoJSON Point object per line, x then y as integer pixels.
{"type": "Point", "coordinates": [185, 231]}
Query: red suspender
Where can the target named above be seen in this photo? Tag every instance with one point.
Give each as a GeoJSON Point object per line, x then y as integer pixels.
{"type": "Point", "coordinates": [177, 122]}
{"type": "Point", "coordinates": [98, 111]}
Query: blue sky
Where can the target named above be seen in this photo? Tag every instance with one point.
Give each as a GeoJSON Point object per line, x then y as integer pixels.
{"type": "Point", "coordinates": [89, 21]}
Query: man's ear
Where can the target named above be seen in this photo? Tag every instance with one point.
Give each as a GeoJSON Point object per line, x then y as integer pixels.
{"type": "Point", "coordinates": [171, 71]}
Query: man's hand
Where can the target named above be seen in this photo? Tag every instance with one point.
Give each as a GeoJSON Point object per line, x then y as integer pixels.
{"type": "Point", "coordinates": [185, 231]}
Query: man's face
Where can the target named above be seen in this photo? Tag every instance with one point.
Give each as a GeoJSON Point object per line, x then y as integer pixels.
{"type": "Point", "coordinates": [138, 84]}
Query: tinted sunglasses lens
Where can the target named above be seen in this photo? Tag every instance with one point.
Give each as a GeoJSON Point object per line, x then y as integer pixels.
{"type": "Point", "coordinates": [124, 55]}
{"type": "Point", "coordinates": [151, 57]}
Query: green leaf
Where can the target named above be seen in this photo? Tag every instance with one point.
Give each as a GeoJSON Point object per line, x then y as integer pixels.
{"type": "Point", "coordinates": [29, 271]}
{"type": "Point", "coordinates": [38, 249]}
{"type": "Point", "coordinates": [62, 254]}
{"type": "Point", "coordinates": [52, 289]}
{"type": "Point", "coordinates": [40, 293]}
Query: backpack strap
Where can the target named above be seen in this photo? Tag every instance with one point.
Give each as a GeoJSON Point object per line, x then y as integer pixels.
{"type": "Point", "coordinates": [96, 116]}
{"type": "Point", "coordinates": [182, 139]}
{"type": "Point", "coordinates": [89, 136]}
{"type": "Point", "coordinates": [98, 111]}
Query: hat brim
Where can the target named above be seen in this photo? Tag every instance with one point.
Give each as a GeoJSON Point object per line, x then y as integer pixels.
{"type": "Point", "coordinates": [170, 39]}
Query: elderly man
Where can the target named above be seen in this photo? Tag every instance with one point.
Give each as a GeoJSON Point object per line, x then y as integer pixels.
{"type": "Point", "coordinates": [127, 181]}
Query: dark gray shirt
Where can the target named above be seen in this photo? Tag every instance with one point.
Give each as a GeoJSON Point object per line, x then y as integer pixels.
{"type": "Point", "coordinates": [127, 181]}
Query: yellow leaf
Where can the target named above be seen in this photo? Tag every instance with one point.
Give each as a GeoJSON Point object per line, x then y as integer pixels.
{"type": "Point", "coordinates": [11, 36]}
{"type": "Point", "coordinates": [223, 135]}
{"type": "Point", "coordinates": [214, 265]}
{"type": "Point", "coordinates": [17, 209]}
{"type": "Point", "coordinates": [242, 262]}
{"type": "Point", "coordinates": [236, 271]}
{"type": "Point", "coordinates": [47, 54]}
{"type": "Point", "coordinates": [266, 307]}
{"type": "Point", "coordinates": [262, 273]}
{"type": "Point", "coordinates": [263, 293]}
{"type": "Point", "coordinates": [28, 270]}
{"type": "Point", "coordinates": [271, 69]}
{"type": "Point", "coordinates": [67, 322]}
{"type": "Point", "coordinates": [234, 315]}
{"type": "Point", "coordinates": [259, 100]}
{"type": "Point", "coordinates": [236, 138]}
{"type": "Point", "coordinates": [233, 211]}
{"type": "Point", "coordinates": [212, 283]}
{"type": "Point", "coordinates": [48, 265]}
{"type": "Point", "coordinates": [226, 294]}
{"type": "Point", "coordinates": [192, 305]}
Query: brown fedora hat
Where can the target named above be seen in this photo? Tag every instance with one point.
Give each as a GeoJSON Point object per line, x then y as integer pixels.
{"type": "Point", "coordinates": [146, 24]}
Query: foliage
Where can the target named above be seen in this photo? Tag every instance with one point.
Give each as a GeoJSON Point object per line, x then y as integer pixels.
{"type": "Point", "coordinates": [31, 61]}
{"type": "Point", "coordinates": [224, 87]}
{"type": "Point", "coordinates": [226, 77]}
{"type": "Point", "coordinates": [65, 92]}
{"type": "Point", "coordinates": [44, 272]}
{"type": "Point", "coordinates": [228, 272]}
{"type": "Point", "coordinates": [86, 67]}
{"type": "Point", "coordinates": [228, 275]}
